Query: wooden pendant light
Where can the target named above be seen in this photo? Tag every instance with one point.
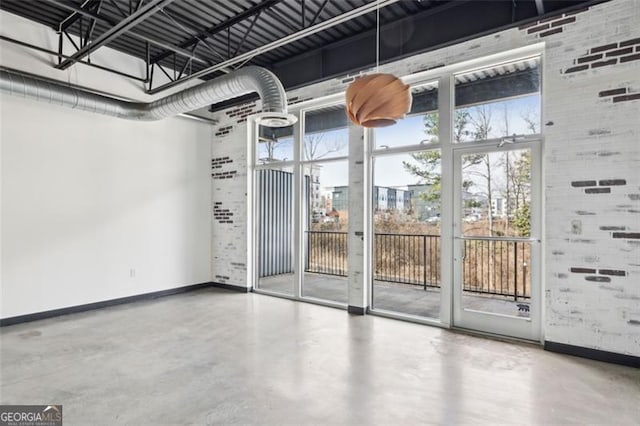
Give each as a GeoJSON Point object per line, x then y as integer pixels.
{"type": "Point", "coordinates": [378, 100]}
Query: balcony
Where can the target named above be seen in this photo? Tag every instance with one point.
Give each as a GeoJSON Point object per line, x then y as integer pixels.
{"type": "Point", "coordinates": [407, 273]}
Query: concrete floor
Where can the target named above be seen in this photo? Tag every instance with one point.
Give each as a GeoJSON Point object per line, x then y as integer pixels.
{"type": "Point", "coordinates": [219, 357]}
{"type": "Point", "coordinates": [389, 296]}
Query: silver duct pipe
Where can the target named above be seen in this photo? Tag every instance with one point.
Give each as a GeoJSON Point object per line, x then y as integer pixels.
{"type": "Point", "coordinates": [245, 80]}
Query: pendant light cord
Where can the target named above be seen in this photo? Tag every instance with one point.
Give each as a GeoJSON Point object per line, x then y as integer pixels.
{"type": "Point", "coordinates": [378, 36]}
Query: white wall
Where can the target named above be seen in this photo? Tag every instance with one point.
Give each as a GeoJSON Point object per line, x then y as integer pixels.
{"type": "Point", "coordinates": [93, 207]}
{"type": "Point", "coordinates": [33, 61]}
{"type": "Point", "coordinates": [594, 137]}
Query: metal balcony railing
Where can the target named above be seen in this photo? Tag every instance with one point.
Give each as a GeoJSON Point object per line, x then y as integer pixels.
{"type": "Point", "coordinates": [407, 259]}
{"type": "Point", "coordinates": [495, 266]}
{"type": "Point", "coordinates": [490, 266]}
{"type": "Point", "coordinates": [327, 252]}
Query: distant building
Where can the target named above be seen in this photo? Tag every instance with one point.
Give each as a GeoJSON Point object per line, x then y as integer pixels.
{"type": "Point", "coordinates": [316, 201]}
{"type": "Point", "coordinates": [340, 198]}
{"type": "Point", "coordinates": [422, 208]}
{"type": "Point", "coordinates": [501, 208]}
{"type": "Point", "coordinates": [380, 196]}
{"type": "Point", "coordinates": [384, 199]}
{"type": "Point", "coordinates": [498, 207]}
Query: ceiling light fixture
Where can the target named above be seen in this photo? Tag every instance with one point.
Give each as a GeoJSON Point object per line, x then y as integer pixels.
{"type": "Point", "coordinates": [378, 100]}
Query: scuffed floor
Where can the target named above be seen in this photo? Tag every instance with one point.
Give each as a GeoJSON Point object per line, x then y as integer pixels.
{"type": "Point", "coordinates": [219, 357]}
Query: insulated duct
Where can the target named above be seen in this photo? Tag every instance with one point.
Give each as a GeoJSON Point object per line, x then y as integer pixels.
{"type": "Point", "coordinates": [237, 83]}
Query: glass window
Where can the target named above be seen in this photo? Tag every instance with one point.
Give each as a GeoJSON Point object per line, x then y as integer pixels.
{"type": "Point", "coordinates": [406, 223]}
{"type": "Point", "coordinates": [326, 133]}
{"type": "Point", "coordinates": [421, 124]}
{"type": "Point", "coordinates": [496, 193]}
{"type": "Point", "coordinates": [326, 221]}
{"type": "Point", "coordinates": [275, 144]}
{"type": "Point", "coordinates": [498, 101]}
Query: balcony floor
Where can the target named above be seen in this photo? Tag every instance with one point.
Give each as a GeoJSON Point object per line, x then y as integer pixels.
{"type": "Point", "coordinates": [389, 296]}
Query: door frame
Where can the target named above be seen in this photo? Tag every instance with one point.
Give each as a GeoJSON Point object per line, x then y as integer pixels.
{"type": "Point", "coordinates": [493, 323]}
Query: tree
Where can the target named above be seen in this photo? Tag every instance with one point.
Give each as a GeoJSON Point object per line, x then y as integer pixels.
{"type": "Point", "coordinates": [481, 122]}
{"type": "Point", "coordinates": [523, 220]}
{"type": "Point", "coordinates": [270, 143]}
{"type": "Point", "coordinates": [531, 119]}
{"type": "Point", "coordinates": [426, 165]}
{"type": "Point", "coordinates": [520, 178]}
{"type": "Point", "coordinates": [518, 170]}
{"type": "Point", "coordinates": [317, 146]}
{"type": "Point", "coordinates": [507, 163]}
{"type": "Point", "coordinates": [275, 144]}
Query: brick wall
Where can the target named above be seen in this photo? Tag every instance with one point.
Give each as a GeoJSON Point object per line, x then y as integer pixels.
{"type": "Point", "coordinates": [591, 104]}
{"type": "Point", "coordinates": [229, 208]}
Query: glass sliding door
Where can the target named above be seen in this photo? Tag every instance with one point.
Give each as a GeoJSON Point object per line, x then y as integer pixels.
{"type": "Point", "coordinates": [497, 201]}
{"type": "Point", "coordinates": [497, 244]}
{"type": "Point", "coordinates": [325, 216]}
{"type": "Point", "coordinates": [275, 200]}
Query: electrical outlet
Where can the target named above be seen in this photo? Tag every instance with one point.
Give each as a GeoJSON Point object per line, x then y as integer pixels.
{"type": "Point", "coordinates": [132, 273]}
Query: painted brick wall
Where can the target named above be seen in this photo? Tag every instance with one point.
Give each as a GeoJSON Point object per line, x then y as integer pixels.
{"type": "Point", "coordinates": [591, 170]}
{"type": "Point", "coordinates": [592, 181]}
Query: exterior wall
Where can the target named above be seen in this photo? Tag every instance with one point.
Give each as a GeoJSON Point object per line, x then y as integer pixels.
{"type": "Point", "coordinates": [591, 105]}
{"type": "Point", "coordinates": [94, 207]}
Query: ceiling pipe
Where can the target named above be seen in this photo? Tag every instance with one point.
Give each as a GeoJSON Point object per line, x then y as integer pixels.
{"type": "Point", "coordinates": [240, 82]}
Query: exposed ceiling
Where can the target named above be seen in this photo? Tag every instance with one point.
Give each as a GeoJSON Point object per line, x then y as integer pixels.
{"type": "Point", "coordinates": [183, 37]}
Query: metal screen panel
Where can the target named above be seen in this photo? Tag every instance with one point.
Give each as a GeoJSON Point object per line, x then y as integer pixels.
{"type": "Point", "coordinates": [275, 222]}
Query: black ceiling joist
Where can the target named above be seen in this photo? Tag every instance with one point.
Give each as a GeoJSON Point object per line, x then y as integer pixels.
{"type": "Point", "coordinates": [89, 5]}
{"type": "Point", "coordinates": [110, 22]}
{"type": "Point", "coordinates": [115, 31]}
{"type": "Point", "coordinates": [216, 29]}
{"type": "Point", "coordinates": [407, 28]}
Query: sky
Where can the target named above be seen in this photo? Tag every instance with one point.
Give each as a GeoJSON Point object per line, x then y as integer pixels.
{"type": "Point", "coordinates": [388, 170]}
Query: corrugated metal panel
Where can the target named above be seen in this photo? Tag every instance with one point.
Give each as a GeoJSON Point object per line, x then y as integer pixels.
{"type": "Point", "coordinates": [275, 222]}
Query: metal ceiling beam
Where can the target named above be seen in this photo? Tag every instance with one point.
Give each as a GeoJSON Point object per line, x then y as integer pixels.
{"type": "Point", "coordinates": [150, 40]}
{"type": "Point", "coordinates": [120, 28]}
{"type": "Point", "coordinates": [347, 16]}
{"type": "Point", "coordinates": [220, 27]}
{"type": "Point", "coordinates": [246, 33]}
{"type": "Point", "coordinates": [92, 26]}
{"type": "Point", "coordinates": [74, 16]}
{"type": "Point", "coordinates": [318, 12]}
{"type": "Point", "coordinates": [89, 64]}
{"type": "Point", "coordinates": [115, 5]}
